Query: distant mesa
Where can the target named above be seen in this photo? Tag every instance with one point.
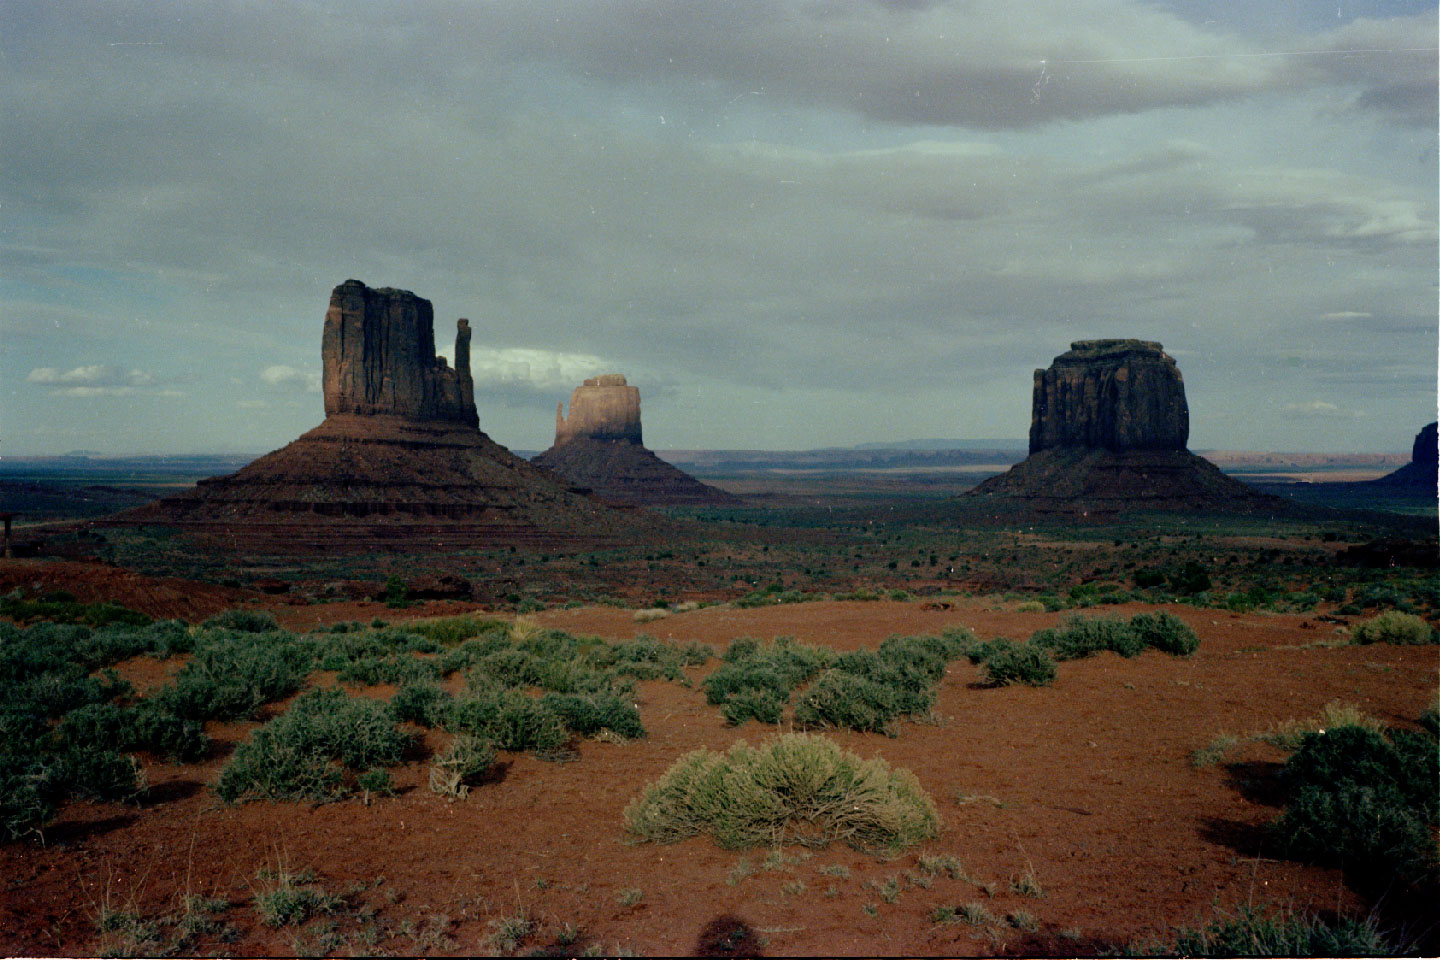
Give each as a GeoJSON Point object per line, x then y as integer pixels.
{"type": "Point", "coordinates": [598, 447]}
{"type": "Point", "coordinates": [1108, 431]}
{"type": "Point", "coordinates": [399, 459]}
{"type": "Point", "coordinates": [1420, 474]}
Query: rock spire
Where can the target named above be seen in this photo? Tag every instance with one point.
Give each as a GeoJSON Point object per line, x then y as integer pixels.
{"type": "Point", "coordinates": [378, 358]}
{"type": "Point", "coordinates": [399, 461]}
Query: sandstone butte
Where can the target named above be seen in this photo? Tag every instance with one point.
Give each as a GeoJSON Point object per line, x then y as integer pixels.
{"type": "Point", "coordinates": [1420, 474]}
{"type": "Point", "coordinates": [1108, 431]}
{"type": "Point", "coordinates": [599, 448]}
{"type": "Point", "coordinates": [399, 460]}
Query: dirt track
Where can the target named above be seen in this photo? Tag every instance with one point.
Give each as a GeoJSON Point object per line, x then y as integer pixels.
{"type": "Point", "coordinates": [1087, 784]}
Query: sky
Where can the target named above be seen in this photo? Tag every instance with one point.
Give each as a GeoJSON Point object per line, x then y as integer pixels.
{"type": "Point", "coordinates": [792, 224]}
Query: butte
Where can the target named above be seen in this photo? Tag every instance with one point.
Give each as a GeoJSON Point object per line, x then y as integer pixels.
{"type": "Point", "coordinates": [1108, 432]}
{"type": "Point", "coordinates": [399, 462]}
{"type": "Point", "coordinates": [599, 448]}
{"type": "Point", "coordinates": [1420, 475]}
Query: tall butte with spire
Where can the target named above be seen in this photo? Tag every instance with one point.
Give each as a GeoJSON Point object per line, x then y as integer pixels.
{"type": "Point", "coordinates": [1108, 431]}
{"type": "Point", "coordinates": [399, 459]}
{"type": "Point", "coordinates": [598, 447]}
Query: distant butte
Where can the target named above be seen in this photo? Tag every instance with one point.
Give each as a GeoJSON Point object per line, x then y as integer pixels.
{"type": "Point", "coordinates": [399, 460]}
{"type": "Point", "coordinates": [1420, 474]}
{"type": "Point", "coordinates": [599, 447]}
{"type": "Point", "coordinates": [1108, 431]}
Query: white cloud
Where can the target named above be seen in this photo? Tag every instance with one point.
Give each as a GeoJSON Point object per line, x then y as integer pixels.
{"type": "Point", "coordinates": [531, 368]}
{"type": "Point", "coordinates": [1321, 409]}
{"type": "Point", "coordinates": [97, 380]}
{"type": "Point", "coordinates": [285, 377]}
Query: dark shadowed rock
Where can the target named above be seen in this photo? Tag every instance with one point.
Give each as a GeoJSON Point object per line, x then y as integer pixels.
{"type": "Point", "coordinates": [598, 448]}
{"type": "Point", "coordinates": [378, 358]}
{"type": "Point", "coordinates": [1108, 428]}
{"type": "Point", "coordinates": [1110, 395]}
{"type": "Point", "coordinates": [399, 461]}
{"type": "Point", "coordinates": [1420, 474]}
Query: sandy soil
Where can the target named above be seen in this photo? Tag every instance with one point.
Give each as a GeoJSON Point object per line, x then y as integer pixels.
{"type": "Point", "coordinates": [1087, 785]}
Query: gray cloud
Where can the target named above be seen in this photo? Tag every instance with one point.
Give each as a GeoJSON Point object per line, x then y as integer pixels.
{"type": "Point", "coordinates": [190, 183]}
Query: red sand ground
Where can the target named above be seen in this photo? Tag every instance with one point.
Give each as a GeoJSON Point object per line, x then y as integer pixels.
{"type": "Point", "coordinates": [1087, 784]}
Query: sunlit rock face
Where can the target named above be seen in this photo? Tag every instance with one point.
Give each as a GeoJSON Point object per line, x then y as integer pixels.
{"type": "Point", "coordinates": [598, 448]}
{"type": "Point", "coordinates": [601, 408]}
{"type": "Point", "coordinates": [1110, 395]}
{"type": "Point", "coordinates": [378, 358]}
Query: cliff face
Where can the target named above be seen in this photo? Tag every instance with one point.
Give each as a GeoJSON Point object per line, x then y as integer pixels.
{"type": "Point", "coordinates": [601, 408]}
{"type": "Point", "coordinates": [1110, 395]}
{"type": "Point", "coordinates": [598, 449]}
{"type": "Point", "coordinates": [1108, 428]}
{"type": "Point", "coordinates": [398, 463]}
{"type": "Point", "coordinates": [378, 358]}
{"type": "Point", "coordinates": [1420, 474]}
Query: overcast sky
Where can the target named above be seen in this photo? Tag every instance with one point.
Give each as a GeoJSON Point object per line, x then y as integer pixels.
{"type": "Point", "coordinates": [791, 224]}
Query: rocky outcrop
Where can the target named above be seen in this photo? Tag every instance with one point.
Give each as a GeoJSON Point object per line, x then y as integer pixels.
{"type": "Point", "coordinates": [601, 408]}
{"type": "Point", "coordinates": [1420, 474]}
{"type": "Point", "coordinates": [1108, 428]}
{"type": "Point", "coordinates": [378, 358]}
{"type": "Point", "coordinates": [598, 449]}
{"type": "Point", "coordinates": [398, 463]}
{"type": "Point", "coordinates": [1110, 395]}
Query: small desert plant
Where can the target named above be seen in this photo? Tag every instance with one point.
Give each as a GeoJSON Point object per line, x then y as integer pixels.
{"type": "Point", "coordinates": [423, 703]}
{"type": "Point", "coordinates": [1023, 920]}
{"type": "Point", "coordinates": [1082, 637]}
{"type": "Point", "coordinates": [976, 915]}
{"type": "Point", "coordinates": [935, 864]}
{"type": "Point", "coordinates": [1251, 932]}
{"type": "Point", "coordinates": [465, 760]}
{"type": "Point", "coordinates": [630, 896]}
{"type": "Point", "coordinates": [1025, 663]}
{"type": "Point", "coordinates": [1393, 627]}
{"type": "Point", "coordinates": [1030, 606]}
{"type": "Point", "coordinates": [800, 788]}
{"type": "Point", "coordinates": [291, 898]}
{"type": "Point", "coordinates": [507, 933]}
{"type": "Point", "coordinates": [651, 614]}
{"type": "Point", "coordinates": [1027, 885]}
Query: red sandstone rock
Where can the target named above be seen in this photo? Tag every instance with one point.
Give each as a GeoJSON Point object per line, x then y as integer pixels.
{"type": "Point", "coordinates": [1110, 395]}
{"type": "Point", "coordinates": [1108, 428]}
{"type": "Point", "coordinates": [378, 357]}
{"type": "Point", "coordinates": [1420, 474]}
{"type": "Point", "coordinates": [598, 448]}
{"type": "Point", "coordinates": [601, 408]}
{"type": "Point", "coordinates": [398, 462]}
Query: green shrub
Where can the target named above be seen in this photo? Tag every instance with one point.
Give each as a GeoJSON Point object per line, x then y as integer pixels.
{"type": "Point", "coordinates": [1250, 932]}
{"type": "Point", "coordinates": [1023, 663]}
{"type": "Point", "coordinates": [589, 714]}
{"type": "Point", "coordinates": [245, 621]}
{"type": "Point", "coordinates": [453, 630]}
{"type": "Point", "coordinates": [1081, 637]}
{"type": "Point", "coordinates": [144, 726]}
{"type": "Point", "coordinates": [422, 703]}
{"type": "Point", "coordinates": [511, 719]}
{"type": "Point", "coordinates": [1165, 633]}
{"type": "Point", "coordinates": [849, 701]}
{"type": "Point", "coordinates": [1358, 799]}
{"type": "Point", "coordinates": [228, 678]}
{"type": "Point", "coordinates": [309, 752]}
{"type": "Point", "coordinates": [1393, 627]}
{"type": "Point", "coordinates": [800, 788]}
{"type": "Point", "coordinates": [1189, 579]}
{"type": "Point", "coordinates": [752, 703]}
{"type": "Point", "coordinates": [396, 668]}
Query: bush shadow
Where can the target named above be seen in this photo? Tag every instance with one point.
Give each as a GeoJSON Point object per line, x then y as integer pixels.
{"type": "Point", "coordinates": [728, 936]}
